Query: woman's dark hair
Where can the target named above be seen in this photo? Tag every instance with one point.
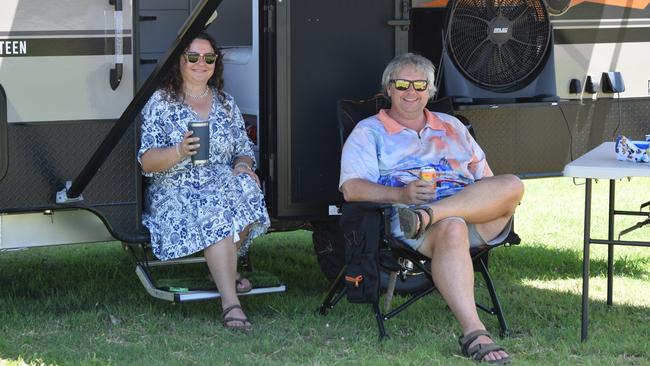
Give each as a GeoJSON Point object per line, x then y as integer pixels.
{"type": "Point", "coordinates": [173, 83]}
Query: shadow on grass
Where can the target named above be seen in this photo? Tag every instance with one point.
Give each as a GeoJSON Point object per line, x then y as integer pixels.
{"type": "Point", "coordinates": [541, 262]}
{"type": "Point", "coordinates": [106, 270]}
{"type": "Point", "coordinates": [101, 306]}
{"type": "Point", "coordinates": [106, 273]}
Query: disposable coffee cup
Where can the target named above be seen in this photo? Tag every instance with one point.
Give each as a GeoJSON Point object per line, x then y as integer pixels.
{"type": "Point", "coordinates": [202, 131]}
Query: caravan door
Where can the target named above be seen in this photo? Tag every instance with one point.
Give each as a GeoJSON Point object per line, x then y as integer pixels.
{"type": "Point", "coordinates": [315, 52]}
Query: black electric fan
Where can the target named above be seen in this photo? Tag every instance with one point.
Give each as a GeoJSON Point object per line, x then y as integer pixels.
{"type": "Point", "coordinates": [499, 50]}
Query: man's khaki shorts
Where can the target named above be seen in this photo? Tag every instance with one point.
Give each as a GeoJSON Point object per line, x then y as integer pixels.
{"type": "Point", "coordinates": [475, 239]}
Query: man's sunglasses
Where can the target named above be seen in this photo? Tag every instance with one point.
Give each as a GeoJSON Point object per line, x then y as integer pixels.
{"type": "Point", "coordinates": [403, 84]}
{"type": "Point", "coordinates": [193, 57]}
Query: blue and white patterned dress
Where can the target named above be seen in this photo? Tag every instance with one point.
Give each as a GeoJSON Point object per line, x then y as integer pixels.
{"type": "Point", "coordinates": [188, 207]}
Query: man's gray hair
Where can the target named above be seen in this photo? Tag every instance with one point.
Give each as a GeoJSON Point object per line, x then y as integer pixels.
{"type": "Point", "coordinates": [420, 63]}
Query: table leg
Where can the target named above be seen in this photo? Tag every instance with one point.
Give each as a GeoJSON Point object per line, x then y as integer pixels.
{"type": "Point", "coordinates": [610, 236]}
{"type": "Point", "coordinates": [585, 262]}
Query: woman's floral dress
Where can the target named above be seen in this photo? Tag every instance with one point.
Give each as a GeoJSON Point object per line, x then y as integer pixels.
{"type": "Point", "coordinates": [187, 207]}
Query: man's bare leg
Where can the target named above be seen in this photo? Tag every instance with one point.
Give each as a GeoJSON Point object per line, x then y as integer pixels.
{"type": "Point", "coordinates": [447, 245]}
{"type": "Point", "coordinates": [492, 199]}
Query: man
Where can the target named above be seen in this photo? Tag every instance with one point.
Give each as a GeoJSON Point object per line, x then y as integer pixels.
{"type": "Point", "coordinates": [467, 207]}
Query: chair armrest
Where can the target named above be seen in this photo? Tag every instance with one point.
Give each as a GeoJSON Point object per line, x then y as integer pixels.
{"type": "Point", "coordinates": [367, 205]}
{"type": "Point", "coordinates": [383, 210]}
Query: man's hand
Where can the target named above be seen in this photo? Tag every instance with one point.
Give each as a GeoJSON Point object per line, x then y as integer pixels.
{"type": "Point", "coordinates": [417, 192]}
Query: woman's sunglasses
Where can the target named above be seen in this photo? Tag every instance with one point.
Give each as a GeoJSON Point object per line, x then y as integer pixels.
{"type": "Point", "coordinates": [403, 84]}
{"type": "Point", "coordinates": [193, 57]}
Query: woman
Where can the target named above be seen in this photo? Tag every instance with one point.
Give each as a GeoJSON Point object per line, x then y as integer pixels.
{"type": "Point", "coordinates": [218, 207]}
{"type": "Point", "coordinates": [381, 162]}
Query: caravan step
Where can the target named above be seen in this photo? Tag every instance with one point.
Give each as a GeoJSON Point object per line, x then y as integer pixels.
{"type": "Point", "coordinates": [180, 293]}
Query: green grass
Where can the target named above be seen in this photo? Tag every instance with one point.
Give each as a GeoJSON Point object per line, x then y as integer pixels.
{"type": "Point", "coordinates": [83, 304]}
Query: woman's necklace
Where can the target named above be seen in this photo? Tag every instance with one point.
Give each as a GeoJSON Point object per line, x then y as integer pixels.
{"type": "Point", "coordinates": [198, 96]}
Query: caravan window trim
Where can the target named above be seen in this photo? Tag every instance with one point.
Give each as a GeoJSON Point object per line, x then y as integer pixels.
{"type": "Point", "coordinates": [3, 132]}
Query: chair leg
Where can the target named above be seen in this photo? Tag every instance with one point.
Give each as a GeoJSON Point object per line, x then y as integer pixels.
{"type": "Point", "coordinates": [408, 302]}
{"type": "Point", "coordinates": [380, 321]}
{"type": "Point", "coordinates": [335, 293]}
{"type": "Point", "coordinates": [390, 291]}
{"type": "Point", "coordinates": [504, 331]}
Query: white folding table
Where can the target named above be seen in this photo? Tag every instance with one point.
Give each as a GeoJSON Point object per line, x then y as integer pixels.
{"type": "Point", "coordinates": [601, 163]}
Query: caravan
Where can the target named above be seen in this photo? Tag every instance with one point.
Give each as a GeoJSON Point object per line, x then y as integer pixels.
{"type": "Point", "coordinates": [73, 75]}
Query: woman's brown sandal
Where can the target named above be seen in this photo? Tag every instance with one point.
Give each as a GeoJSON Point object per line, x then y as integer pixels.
{"type": "Point", "coordinates": [244, 323]}
{"type": "Point", "coordinates": [410, 221]}
{"type": "Point", "coordinates": [478, 351]}
{"type": "Point", "coordinates": [242, 284]}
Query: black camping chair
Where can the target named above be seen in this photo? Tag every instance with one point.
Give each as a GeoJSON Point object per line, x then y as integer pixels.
{"type": "Point", "coordinates": [366, 230]}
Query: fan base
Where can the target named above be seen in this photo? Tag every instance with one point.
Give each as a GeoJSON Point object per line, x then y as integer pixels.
{"type": "Point", "coordinates": [459, 100]}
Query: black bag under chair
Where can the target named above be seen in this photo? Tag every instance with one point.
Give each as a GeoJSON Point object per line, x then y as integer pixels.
{"type": "Point", "coordinates": [361, 236]}
{"type": "Point", "coordinates": [375, 260]}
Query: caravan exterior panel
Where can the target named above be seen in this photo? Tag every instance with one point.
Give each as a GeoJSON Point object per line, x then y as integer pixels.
{"type": "Point", "coordinates": [51, 228]}
{"type": "Point", "coordinates": [81, 83]}
{"type": "Point", "coordinates": [56, 59]}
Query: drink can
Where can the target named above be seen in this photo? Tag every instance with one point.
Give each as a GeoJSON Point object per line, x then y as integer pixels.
{"type": "Point", "coordinates": [428, 174]}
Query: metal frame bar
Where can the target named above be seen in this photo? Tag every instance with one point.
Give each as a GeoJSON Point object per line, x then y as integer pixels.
{"type": "Point", "coordinates": [496, 304]}
{"type": "Point", "coordinates": [173, 296]}
{"type": "Point", "coordinates": [334, 294]}
{"type": "Point", "coordinates": [193, 26]}
{"type": "Point", "coordinates": [337, 291]}
{"type": "Point", "coordinates": [610, 242]}
{"type": "Point", "coordinates": [3, 133]}
{"type": "Point", "coordinates": [143, 271]}
{"type": "Point", "coordinates": [410, 301]}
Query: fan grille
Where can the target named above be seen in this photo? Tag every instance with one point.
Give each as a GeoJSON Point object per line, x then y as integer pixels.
{"type": "Point", "coordinates": [495, 60]}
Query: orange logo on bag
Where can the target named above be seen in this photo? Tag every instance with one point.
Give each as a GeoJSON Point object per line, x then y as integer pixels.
{"type": "Point", "coordinates": [356, 280]}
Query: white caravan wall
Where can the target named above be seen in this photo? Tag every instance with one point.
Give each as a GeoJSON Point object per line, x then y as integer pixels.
{"type": "Point", "coordinates": [58, 78]}
{"type": "Point", "coordinates": [577, 61]}
{"type": "Point", "coordinates": [59, 227]}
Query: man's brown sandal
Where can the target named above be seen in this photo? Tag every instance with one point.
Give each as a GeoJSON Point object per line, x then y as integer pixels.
{"type": "Point", "coordinates": [478, 351]}
{"type": "Point", "coordinates": [244, 323]}
{"type": "Point", "coordinates": [410, 221]}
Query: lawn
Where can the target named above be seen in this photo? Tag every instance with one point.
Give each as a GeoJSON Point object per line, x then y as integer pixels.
{"type": "Point", "coordinates": [83, 304]}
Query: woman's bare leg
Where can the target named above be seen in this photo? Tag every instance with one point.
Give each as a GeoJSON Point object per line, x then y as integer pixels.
{"type": "Point", "coordinates": [243, 236]}
{"type": "Point", "coordinates": [221, 258]}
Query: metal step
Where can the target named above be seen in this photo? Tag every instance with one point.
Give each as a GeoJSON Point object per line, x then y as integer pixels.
{"type": "Point", "coordinates": [190, 295]}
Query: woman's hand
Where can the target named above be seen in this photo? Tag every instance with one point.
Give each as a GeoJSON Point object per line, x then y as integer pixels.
{"type": "Point", "coordinates": [160, 159]}
{"type": "Point", "coordinates": [243, 168]}
{"type": "Point", "coordinates": [418, 192]}
{"type": "Point", "coordinates": [188, 145]}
